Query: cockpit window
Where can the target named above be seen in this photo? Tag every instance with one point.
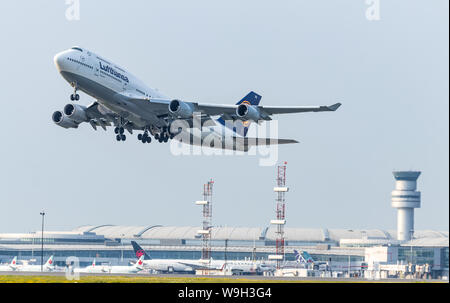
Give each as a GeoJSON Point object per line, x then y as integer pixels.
{"type": "Point", "coordinates": [77, 48]}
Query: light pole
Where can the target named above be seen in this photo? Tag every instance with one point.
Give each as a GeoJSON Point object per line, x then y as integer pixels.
{"type": "Point", "coordinates": [42, 242]}
{"type": "Point", "coordinates": [411, 245]}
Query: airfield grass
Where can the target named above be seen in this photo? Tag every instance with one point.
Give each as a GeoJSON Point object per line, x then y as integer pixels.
{"type": "Point", "coordinates": [125, 279]}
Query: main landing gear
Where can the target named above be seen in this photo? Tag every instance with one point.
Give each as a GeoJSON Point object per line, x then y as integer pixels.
{"type": "Point", "coordinates": [164, 136]}
{"type": "Point", "coordinates": [120, 134]}
{"type": "Point", "coordinates": [144, 138]}
{"type": "Point", "coordinates": [74, 96]}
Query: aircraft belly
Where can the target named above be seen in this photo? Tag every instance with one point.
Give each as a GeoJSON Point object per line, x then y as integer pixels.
{"type": "Point", "coordinates": [108, 97]}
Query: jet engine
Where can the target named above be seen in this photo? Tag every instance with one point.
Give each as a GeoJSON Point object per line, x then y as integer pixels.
{"type": "Point", "coordinates": [60, 119]}
{"type": "Point", "coordinates": [76, 112]}
{"type": "Point", "coordinates": [180, 109]}
{"type": "Point", "coordinates": [248, 112]}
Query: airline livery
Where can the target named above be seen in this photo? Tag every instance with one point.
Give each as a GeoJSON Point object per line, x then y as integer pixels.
{"type": "Point", "coordinates": [125, 102]}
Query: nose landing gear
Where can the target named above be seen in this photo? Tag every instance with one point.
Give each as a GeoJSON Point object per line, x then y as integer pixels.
{"type": "Point", "coordinates": [74, 96]}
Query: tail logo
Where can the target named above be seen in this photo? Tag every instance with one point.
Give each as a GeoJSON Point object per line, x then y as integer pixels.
{"type": "Point", "coordinates": [50, 262]}
{"type": "Point", "coordinates": [139, 253]}
{"type": "Point", "coordinates": [140, 262]}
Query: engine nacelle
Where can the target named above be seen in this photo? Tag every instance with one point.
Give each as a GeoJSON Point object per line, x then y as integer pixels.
{"type": "Point", "coordinates": [76, 112]}
{"type": "Point", "coordinates": [248, 112]}
{"type": "Point", "coordinates": [180, 109]}
{"type": "Point", "coordinates": [60, 119]}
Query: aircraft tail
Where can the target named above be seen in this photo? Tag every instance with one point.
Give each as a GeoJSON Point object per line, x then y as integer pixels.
{"type": "Point", "coordinates": [298, 256]}
{"type": "Point", "coordinates": [13, 261]}
{"type": "Point", "coordinates": [138, 251]}
{"type": "Point", "coordinates": [238, 126]}
{"type": "Point", "coordinates": [49, 262]}
{"type": "Point", "coordinates": [307, 257]}
{"type": "Point", "coordinates": [139, 264]}
{"type": "Point", "coordinates": [93, 263]}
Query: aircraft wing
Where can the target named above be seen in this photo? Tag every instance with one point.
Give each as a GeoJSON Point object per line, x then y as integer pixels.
{"type": "Point", "coordinates": [230, 110]}
{"type": "Point", "coordinates": [273, 110]}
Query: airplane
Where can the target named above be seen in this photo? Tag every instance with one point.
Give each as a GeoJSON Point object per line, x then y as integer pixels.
{"type": "Point", "coordinates": [306, 259]}
{"type": "Point", "coordinates": [12, 266]}
{"type": "Point", "coordinates": [137, 267]}
{"type": "Point", "coordinates": [125, 102]}
{"type": "Point", "coordinates": [48, 266]}
{"type": "Point", "coordinates": [189, 266]}
{"type": "Point", "coordinates": [161, 265]}
{"type": "Point", "coordinates": [93, 268]}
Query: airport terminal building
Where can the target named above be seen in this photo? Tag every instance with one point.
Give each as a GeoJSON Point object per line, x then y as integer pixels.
{"type": "Point", "coordinates": [111, 244]}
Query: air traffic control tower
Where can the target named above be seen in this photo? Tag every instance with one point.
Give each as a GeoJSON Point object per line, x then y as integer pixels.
{"type": "Point", "coordinates": [405, 198]}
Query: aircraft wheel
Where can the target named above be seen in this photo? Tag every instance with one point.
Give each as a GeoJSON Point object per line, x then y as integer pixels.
{"type": "Point", "coordinates": [116, 130]}
{"type": "Point", "coordinates": [121, 130]}
{"type": "Point", "coordinates": [148, 139]}
{"type": "Point", "coordinates": [118, 138]}
{"type": "Point", "coordinates": [72, 97]}
{"type": "Point", "coordinates": [77, 97]}
{"type": "Point", "coordinates": [157, 136]}
{"type": "Point", "coordinates": [166, 138]}
{"type": "Point", "coordinates": [123, 137]}
{"type": "Point", "coordinates": [140, 137]}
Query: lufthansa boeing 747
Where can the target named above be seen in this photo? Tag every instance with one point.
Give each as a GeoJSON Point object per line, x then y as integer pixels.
{"type": "Point", "coordinates": [125, 102]}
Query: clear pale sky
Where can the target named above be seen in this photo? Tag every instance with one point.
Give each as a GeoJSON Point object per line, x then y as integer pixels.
{"type": "Point", "coordinates": [391, 76]}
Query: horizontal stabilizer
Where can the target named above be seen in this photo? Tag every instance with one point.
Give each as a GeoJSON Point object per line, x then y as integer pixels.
{"type": "Point", "coordinates": [263, 141]}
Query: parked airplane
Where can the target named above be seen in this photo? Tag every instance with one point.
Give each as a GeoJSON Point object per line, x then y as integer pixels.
{"type": "Point", "coordinates": [137, 267]}
{"type": "Point", "coordinates": [48, 266]}
{"type": "Point", "coordinates": [161, 265]}
{"type": "Point", "coordinates": [306, 259]}
{"type": "Point", "coordinates": [12, 266]}
{"type": "Point", "coordinates": [127, 103]}
{"type": "Point", "coordinates": [185, 265]}
{"type": "Point", "coordinates": [93, 268]}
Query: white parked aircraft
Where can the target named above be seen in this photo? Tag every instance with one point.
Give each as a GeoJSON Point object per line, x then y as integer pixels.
{"type": "Point", "coordinates": [128, 104]}
{"type": "Point", "coordinates": [48, 266]}
{"type": "Point", "coordinates": [12, 266]}
{"type": "Point", "coordinates": [185, 265]}
{"type": "Point", "coordinates": [137, 267]}
{"type": "Point", "coordinates": [93, 268]}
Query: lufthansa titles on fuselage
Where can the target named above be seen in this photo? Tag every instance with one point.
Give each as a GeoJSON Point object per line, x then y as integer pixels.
{"type": "Point", "coordinates": [108, 69]}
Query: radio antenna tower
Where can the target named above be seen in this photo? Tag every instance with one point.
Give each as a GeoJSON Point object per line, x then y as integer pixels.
{"type": "Point", "coordinates": [280, 220]}
{"type": "Point", "coordinates": [205, 232]}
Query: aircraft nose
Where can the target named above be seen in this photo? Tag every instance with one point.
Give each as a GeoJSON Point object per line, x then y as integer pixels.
{"type": "Point", "coordinates": [59, 61]}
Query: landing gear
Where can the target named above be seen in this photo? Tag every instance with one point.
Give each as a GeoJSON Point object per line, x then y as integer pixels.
{"type": "Point", "coordinates": [144, 138]}
{"type": "Point", "coordinates": [121, 137]}
{"type": "Point", "coordinates": [164, 135]}
{"type": "Point", "coordinates": [74, 96]}
{"type": "Point", "coordinates": [120, 131]}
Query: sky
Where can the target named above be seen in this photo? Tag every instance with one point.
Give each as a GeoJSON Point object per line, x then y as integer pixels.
{"type": "Point", "coordinates": [390, 74]}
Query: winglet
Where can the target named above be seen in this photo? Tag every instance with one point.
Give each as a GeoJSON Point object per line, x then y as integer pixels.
{"type": "Point", "coordinates": [334, 106]}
